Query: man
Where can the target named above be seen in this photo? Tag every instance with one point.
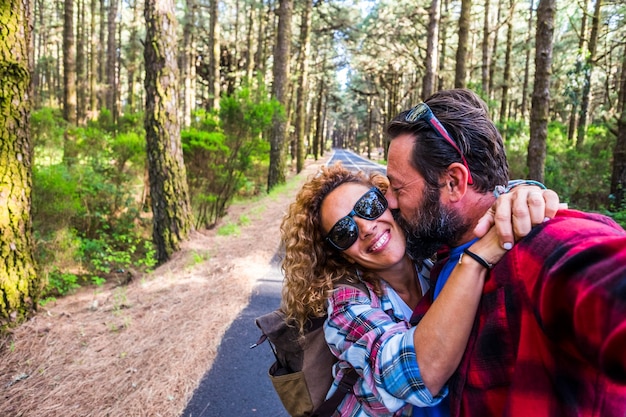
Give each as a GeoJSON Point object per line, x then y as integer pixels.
{"type": "Point", "coordinates": [549, 337]}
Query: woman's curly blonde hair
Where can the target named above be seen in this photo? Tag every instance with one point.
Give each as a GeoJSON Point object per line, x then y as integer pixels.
{"type": "Point", "coordinates": [310, 265]}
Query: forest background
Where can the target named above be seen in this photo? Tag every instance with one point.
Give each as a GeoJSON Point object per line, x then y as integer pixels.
{"type": "Point", "coordinates": [126, 124]}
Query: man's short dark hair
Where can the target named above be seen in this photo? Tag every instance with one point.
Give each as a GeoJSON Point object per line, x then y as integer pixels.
{"type": "Point", "coordinates": [465, 116]}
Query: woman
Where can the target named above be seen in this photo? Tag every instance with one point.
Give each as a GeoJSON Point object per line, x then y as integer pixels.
{"type": "Point", "coordinates": [340, 229]}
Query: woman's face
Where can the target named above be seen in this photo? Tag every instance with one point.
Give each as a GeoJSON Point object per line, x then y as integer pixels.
{"type": "Point", "coordinates": [380, 243]}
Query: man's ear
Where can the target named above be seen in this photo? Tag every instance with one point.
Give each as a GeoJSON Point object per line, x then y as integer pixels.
{"type": "Point", "coordinates": [455, 185]}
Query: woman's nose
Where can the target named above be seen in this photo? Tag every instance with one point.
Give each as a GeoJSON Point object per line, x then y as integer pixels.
{"type": "Point", "coordinates": [366, 227]}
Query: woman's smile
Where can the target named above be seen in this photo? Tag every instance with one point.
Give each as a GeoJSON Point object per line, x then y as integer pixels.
{"type": "Point", "coordinates": [380, 242]}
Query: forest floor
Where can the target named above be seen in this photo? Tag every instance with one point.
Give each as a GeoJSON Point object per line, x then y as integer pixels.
{"type": "Point", "coordinates": [141, 349]}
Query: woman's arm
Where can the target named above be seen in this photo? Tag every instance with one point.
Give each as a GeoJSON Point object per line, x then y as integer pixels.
{"type": "Point", "coordinates": [441, 336]}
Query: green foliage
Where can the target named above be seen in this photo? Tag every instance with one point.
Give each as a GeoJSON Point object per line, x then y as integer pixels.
{"type": "Point", "coordinates": [618, 216]}
{"type": "Point", "coordinates": [224, 152]}
{"type": "Point", "coordinates": [47, 127]}
{"type": "Point", "coordinates": [60, 283]}
{"type": "Point", "coordinates": [87, 215]}
{"type": "Point", "coordinates": [56, 203]}
{"type": "Point", "coordinates": [565, 164]}
{"type": "Point", "coordinates": [229, 229]}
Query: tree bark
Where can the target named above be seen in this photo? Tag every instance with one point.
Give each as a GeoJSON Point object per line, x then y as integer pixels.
{"type": "Point", "coordinates": [93, 60]}
{"type": "Point", "coordinates": [589, 65]}
{"type": "Point", "coordinates": [280, 83]}
{"type": "Point", "coordinates": [111, 62]}
{"type": "Point", "coordinates": [81, 73]}
{"type": "Point", "coordinates": [188, 62]}
{"type": "Point", "coordinates": [541, 91]}
{"type": "Point", "coordinates": [69, 64]}
{"type": "Point", "coordinates": [575, 88]}
{"type": "Point", "coordinates": [102, 31]}
{"type": "Point", "coordinates": [506, 76]}
{"type": "Point", "coordinates": [319, 120]}
{"type": "Point", "coordinates": [494, 50]}
{"type": "Point", "coordinates": [445, 17]}
{"type": "Point", "coordinates": [461, 51]}
{"type": "Point", "coordinates": [132, 58]}
{"type": "Point", "coordinates": [19, 284]}
{"type": "Point", "coordinates": [214, 59]}
{"type": "Point", "coordinates": [618, 177]}
{"type": "Point", "coordinates": [432, 51]}
{"type": "Point", "coordinates": [169, 194]}
{"type": "Point", "coordinates": [249, 42]}
{"type": "Point", "coordinates": [484, 73]}
{"type": "Point", "coordinates": [527, 61]}
{"type": "Point", "coordinates": [303, 84]}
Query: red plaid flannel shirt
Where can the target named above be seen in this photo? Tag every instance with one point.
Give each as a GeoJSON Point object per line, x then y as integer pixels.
{"type": "Point", "coordinates": [549, 337]}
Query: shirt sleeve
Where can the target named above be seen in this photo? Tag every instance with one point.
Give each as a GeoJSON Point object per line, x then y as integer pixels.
{"type": "Point", "coordinates": [381, 350]}
{"type": "Point", "coordinates": [581, 292]}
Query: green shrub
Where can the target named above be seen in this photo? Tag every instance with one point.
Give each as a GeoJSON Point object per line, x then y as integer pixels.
{"type": "Point", "coordinates": [87, 210]}
{"type": "Point", "coordinates": [581, 177]}
{"type": "Point", "coordinates": [226, 155]}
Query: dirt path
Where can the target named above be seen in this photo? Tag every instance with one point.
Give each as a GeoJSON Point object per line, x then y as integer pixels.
{"type": "Point", "coordinates": [141, 349]}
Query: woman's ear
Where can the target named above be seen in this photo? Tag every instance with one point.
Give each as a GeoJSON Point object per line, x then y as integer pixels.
{"type": "Point", "coordinates": [455, 181]}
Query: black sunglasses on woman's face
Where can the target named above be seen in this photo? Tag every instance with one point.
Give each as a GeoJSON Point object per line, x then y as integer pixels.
{"type": "Point", "coordinates": [345, 232]}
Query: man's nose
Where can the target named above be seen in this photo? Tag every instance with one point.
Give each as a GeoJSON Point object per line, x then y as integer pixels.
{"type": "Point", "coordinates": [391, 199]}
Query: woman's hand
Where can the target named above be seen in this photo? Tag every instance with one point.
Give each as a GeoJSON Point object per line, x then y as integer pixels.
{"type": "Point", "coordinates": [487, 247]}
{"type": "Point", "coordinates": [516, 212]}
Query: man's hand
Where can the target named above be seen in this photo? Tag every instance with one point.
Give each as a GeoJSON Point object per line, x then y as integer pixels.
{"type": "Point", "coordinates": [517, 211]}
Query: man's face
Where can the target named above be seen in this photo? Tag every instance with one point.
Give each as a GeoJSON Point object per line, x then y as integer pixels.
{"type": "Point", "coordinates": [427, 221]}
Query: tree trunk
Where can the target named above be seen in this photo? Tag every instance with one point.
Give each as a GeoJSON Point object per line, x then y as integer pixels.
{"type": "Point", "coordinates": [111, 63]}
{"type": "Point", "coordinates": [527, 61]}
{"type": "Point", "coordinates": [168, 183]}
{"type": "Point", "coordinates": [506, 77]}
{"type": "Point", "coordinates": [132, 58]}
{"type": "Point", "coordinates": [249, 42]}
{"type": "Point", "coordinates": [102, 31]}
{"type": "Point", "coordinates": [214, 59]}
{"type": "Point", "coordinates": [484, 82]}
{"type": "Point", "coordinates": [461, 52]}
{"type": "Point", "coordinates": [19, 284]}
{"type": "Point", "coordinates": [303, 82]}
{"type": "Point", "coordinates": [280, 82]}
{"type": "Point", "coordinates": [188, 62]}
{"type": "Point", "coordinates": [432, 45]}
{"type": "Point", "coordinates": [618, 177]}
{"type": "Point", "coordinates": [319, 122]}
{"type": "Point", "coordinates": [81, 73]}
{"type": "Point", "coordinates": [590, 63]}
{"type": "Point", "coordinates": [494, 50]}
{"type": "Point", "coordinates": [93, 64]}
{"type": "Point", "coordinates": [445, 17]}
{"type": "Point", "coordinates": [69, 64]}
{"type": "Point", "coordinates": [541, 91]}
{"type": "Point", "coordinates": [259, 57]}
{"type": "Point", "coordinates": [370, 120]}
{"type": "Point", "coordinates": [233, 69]}
{"type": "Point", "coordinates": [575, 99]}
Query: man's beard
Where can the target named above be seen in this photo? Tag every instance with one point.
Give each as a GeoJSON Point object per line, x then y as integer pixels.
{"type": "Point", "coordinates": [431, 226]}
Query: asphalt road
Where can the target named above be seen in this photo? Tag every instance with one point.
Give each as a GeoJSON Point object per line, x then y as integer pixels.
{"type": "Point", "coordinates": [237, 384]}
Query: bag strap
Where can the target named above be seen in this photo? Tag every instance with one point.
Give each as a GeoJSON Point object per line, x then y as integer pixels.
{"type": "Point", "coordinates": [349, 378]}
{"type": "Point", "coordinates": [329, 406]}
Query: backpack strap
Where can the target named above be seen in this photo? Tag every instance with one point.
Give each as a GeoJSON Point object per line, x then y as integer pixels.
{"type": "Point", "coordinates": [328, 407]}
{"type": "Point", "coordinates": [349, 378]}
